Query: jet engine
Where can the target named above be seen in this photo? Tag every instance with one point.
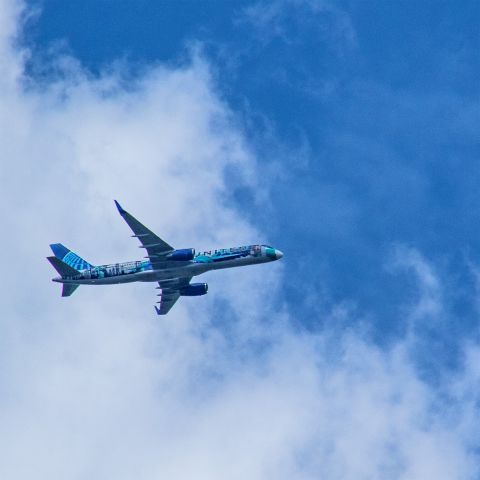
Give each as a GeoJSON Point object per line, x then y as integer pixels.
{"type": "Point", "coordinates": [194, 290]}
{"type": "Point", "coordinates": [182, 255]}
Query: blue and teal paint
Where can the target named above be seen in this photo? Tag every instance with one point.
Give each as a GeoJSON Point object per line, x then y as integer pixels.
{"type": "Point", "coordinates": [104, 271]}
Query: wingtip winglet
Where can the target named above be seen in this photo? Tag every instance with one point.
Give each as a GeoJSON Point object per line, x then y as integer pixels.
{"type": "Point", "coordinates": [119, 207]}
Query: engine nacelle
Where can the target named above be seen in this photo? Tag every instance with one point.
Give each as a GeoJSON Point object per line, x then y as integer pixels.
{"type": "Point", "coordinates": [194, 290]}
{"type": "Point", "coordinates": [182, 255]}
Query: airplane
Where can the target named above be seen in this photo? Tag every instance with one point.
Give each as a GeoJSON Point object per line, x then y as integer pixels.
{"type": "Point", "coordinates": [172, 269]}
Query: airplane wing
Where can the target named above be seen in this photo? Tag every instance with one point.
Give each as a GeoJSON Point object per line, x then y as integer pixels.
{"type": "Point", "coordinates": [170, 293]}
{"type": "Point", "coordinates": [155, 246]}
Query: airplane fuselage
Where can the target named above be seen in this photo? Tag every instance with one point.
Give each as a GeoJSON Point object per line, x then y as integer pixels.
{"type": "Point", "coordinates": [144, 271]}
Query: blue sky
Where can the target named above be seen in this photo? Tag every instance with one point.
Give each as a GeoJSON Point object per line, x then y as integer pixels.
{"type": "Point", "coordinates": [362, 114]}
{"type": "Point", "coordinates": [343, 133]}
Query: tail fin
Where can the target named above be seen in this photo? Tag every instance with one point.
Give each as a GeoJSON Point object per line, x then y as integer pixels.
{"type": "Point", "coordinates": [62, 268]}
{"type": "Point", "coordinates": [68, 257]}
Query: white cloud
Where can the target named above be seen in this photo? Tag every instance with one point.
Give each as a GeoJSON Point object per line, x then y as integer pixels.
{"type": "Point", "coordinates": [95, 386]}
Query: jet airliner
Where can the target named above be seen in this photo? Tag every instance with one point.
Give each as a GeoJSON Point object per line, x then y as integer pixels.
{"type": "Point", "coordinates": [172, 269]}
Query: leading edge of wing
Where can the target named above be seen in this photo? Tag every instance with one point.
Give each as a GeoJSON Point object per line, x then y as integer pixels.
{"type": "Point", "coordinates": [151, 242]}
{"type": "Point", "coordinates": [119, 208]}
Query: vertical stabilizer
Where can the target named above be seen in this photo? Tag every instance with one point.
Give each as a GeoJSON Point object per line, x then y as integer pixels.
{"type": "Point", "coordinates": [68, 257]}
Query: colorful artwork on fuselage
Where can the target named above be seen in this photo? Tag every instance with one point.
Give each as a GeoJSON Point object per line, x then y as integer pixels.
{"type": "Point", "coordinates": [211, 256]}
{"type": "Point", "coordinates": [116, 269]}
{"type": "Point", "coordinates": [208, 256]}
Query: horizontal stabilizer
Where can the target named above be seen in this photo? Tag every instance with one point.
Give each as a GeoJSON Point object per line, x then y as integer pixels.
{"type": "Point", "coordinates": [62, 268]}
{"type": "Point", "coordinates": [69, 288]}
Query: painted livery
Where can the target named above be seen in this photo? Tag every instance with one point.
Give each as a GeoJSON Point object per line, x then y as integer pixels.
{"type": "Point", "coordinates": [172, 269]}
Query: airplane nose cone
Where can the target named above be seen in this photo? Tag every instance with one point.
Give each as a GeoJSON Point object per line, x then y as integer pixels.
{"type": "Point", "coordinates": [278, 254]}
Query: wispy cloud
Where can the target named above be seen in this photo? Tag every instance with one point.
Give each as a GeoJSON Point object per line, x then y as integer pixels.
{"type": "Point", "coordinates": [429, 303]}
{"type": "Point", "coordinates": [274, 20]}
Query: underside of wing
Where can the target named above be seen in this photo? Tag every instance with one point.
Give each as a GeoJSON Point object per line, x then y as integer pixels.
{"type": "Point", "coordinates": [156, 247]}
{"type": "Point", "coordinates": [167, 302]}
{"type": "Point", "coordinates": [170, 293]}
